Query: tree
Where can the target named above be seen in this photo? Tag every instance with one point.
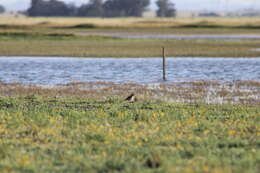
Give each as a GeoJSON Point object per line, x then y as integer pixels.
{"type": "Point", "coordinates": [57, 8]}
{"type": "Point", "coordinates": [121, 8]}
{"type": "Point", "coordinates": [2, 9]}
{"type": "Point", "coordinates": [113, 9]}
{"type": "Point", "coordinates": [165, 8]}
{"type": "Point", "coordinates": [72, 9]}
{"type": "Point", "coordinates": [93, 9]}
{"type": "Point", "coordinates": [35, 7]}
{"type": "Point", "coordinates": [136, 7]}
{"type": "Point", "coordinates": [48, 8]}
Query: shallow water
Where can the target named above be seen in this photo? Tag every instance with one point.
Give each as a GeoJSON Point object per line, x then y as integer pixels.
{"type": "Point", "coordinates": [53, 71]}
{"type": "Point", "coordinates": [192, 37]}
{"type": "Point", "coordinates": [176, 36]}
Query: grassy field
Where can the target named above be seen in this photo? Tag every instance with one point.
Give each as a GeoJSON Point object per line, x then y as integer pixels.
{"type": "Point", "coordinates": [71, 134]}
{"type": "Point", "coordinates": [59, 44]}
{"type": "Point", "coordinates": [136, 25]}
{"type": "Point", "coordinates": [88, 127]}
{"type": "Point", "coordinates": [81, 37]}
{"type": "Point", "coordinates": [239, 23]}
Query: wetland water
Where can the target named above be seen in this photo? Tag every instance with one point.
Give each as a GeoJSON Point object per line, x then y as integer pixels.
{"type": "Point", "coordinates": [193, 37]}
{"type": "Point", "coordinates": [176, 36]}
{"type": "Point", "coordinates": [53, 71]}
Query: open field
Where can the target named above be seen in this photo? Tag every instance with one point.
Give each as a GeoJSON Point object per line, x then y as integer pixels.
{"type": "Point", "coordinates": [239, 23]}
{"type": "Point", "coordinates": [135, 25]}
{"type": "Point", "coordinates": [69, 129]}
{"type": "Point", "coordinates": [82, 37]}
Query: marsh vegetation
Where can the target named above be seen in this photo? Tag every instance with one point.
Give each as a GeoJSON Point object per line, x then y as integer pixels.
{"type": "Point", "coordinates": [94, 37]}
{"type": "Point", "coordinates": [75, 130]}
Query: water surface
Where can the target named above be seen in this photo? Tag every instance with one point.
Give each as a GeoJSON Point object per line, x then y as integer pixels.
{"type": "Point", "coordinates": [192, 37]}
{"type": "Point", "coordinates": [176, 36]}
{"type": "Point", "coordinates": [53, 71]}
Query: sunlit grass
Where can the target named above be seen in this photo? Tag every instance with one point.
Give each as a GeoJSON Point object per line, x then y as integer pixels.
{"type": "Point", "coordinates": [131, 22]}
{"type": "Point", "coordinates": [81, 135]}
{"type": "Point", "coordinates": [136, 25]}
{"type": "Point", "coordinates": [66, 44]}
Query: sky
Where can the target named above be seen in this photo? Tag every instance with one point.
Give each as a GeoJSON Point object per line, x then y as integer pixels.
{"type": "Point", "coordinates": [220, 5]}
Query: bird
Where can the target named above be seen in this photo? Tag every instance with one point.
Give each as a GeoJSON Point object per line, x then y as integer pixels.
{"type": "Point", "coordinates": [131, 98]}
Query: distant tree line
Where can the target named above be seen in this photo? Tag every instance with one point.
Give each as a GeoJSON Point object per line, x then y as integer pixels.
{"type": "Point", "coordinates": [99, 8]}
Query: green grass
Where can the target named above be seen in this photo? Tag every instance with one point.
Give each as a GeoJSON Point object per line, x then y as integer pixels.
{"type": "Point", "coordinates": [80, 135]}
{"type": "Point", "coordinates": [66, 44]}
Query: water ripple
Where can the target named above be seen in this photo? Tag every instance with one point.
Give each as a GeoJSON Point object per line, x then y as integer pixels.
{"type": "Point", "coordinates": [53, 71]}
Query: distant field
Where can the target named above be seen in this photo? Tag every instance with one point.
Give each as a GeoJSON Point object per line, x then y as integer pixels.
{"type": "Point", "coordinates": [135, 22]}
{"type": "Point", "coordinates": [58, 44]}
{"type": "Point", "coordinates": [153, 25]}
{"type": "Point", "coordinates": [78, 37]}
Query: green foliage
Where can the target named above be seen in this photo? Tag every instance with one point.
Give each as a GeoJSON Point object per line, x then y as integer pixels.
{"type": "Point", "coordinates": [77, 135]}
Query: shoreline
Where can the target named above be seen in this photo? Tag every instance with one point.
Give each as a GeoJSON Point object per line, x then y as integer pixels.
{"type": "Point", "coordinates": [207, 92]}
{"type": "Point", "coordinates": [78, 57]}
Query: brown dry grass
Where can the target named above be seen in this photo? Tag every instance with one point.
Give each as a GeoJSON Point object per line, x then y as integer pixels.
{"type": "Point", "coordinates": [130, 22]}
{"type": "Point", "coordinates": [135, 25]}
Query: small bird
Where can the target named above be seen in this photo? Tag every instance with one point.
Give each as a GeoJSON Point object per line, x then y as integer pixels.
{"type": "Point", "coordinates": [131, 98]}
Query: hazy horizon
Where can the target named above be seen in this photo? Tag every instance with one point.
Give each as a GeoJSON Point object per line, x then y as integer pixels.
{"type": "Point", "coordinates": [211, 5]}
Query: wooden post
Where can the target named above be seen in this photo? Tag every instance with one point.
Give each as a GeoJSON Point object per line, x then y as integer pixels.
{"type": "Point", "coordinates": [164, 64]}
